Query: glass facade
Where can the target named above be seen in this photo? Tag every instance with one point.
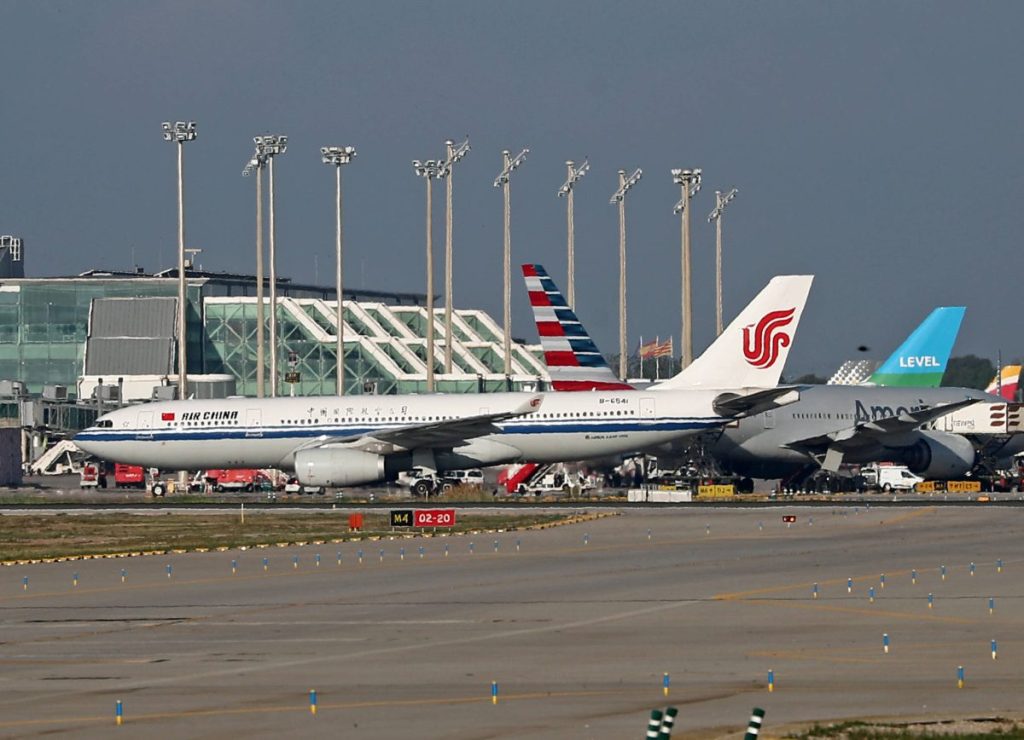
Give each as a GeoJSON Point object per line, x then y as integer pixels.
{"type": "Point", "coordinates": [44, 326]}
{"type": "Point", "coordinates": [44, 323]}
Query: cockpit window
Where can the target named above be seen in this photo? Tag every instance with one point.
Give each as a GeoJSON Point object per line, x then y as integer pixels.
{"type": "Point", "coordinates": [105, 424]}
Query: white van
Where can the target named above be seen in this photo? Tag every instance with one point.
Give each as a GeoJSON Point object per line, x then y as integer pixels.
{"type": "Point", "coordinates": [890, 477]}
{"type": "Point", "coordinates": [471, 477]}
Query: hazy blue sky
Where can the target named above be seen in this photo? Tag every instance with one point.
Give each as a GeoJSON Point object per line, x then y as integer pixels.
{"type": "Point", "coordinates": [877, 145]}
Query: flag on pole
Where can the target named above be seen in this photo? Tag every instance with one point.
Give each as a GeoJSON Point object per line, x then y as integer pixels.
{"type": "Point", "coordinates": [649, 350]}
{"type": "Point", "coordinates": [662, 349]}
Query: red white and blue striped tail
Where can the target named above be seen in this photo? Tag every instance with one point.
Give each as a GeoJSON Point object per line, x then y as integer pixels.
{"type": "Point", "coordinates": [574, 361]}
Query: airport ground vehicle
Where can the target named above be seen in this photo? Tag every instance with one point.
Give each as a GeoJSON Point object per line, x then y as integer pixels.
{"type": "Point", "coordinates": [294, 486]}
{"type": "Point", "coordinates": [888, 477]}
{"type": "Point", "coordinates": [92, 476]}
{"type": "Point", "coordinates": [129, 476]}
{"type": "Point", "coordinates": [422, 482]}
{"type": "Point", "coordinates": [530, 478]}
{"type": "Point", "coordinates": [240, 479]}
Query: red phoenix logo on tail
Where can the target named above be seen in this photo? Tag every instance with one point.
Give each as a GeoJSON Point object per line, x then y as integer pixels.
{"type": "Point", "coordinates": [763, 350]}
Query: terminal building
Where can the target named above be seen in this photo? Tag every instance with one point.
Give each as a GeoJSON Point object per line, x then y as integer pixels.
{"type": "Point", "coordinates": [107, 337]}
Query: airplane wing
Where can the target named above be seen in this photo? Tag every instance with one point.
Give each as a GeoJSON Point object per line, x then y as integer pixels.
{"type": "Point", "coordinates": [436, 434]}
{"type": "Point", "coordinates": [835, 444]}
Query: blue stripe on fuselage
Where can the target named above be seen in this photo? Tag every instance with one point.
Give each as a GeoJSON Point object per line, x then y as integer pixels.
{"type": "Point", "coordinates": [567, 426]}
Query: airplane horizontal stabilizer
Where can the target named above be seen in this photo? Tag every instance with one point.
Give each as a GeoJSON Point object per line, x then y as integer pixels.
{"type": "Point", "coordinates": [735, 405]}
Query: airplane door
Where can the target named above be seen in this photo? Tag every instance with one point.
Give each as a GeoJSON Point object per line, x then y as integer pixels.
{"type": "Point", "coordinates": [646, 408]}
{"type": "Point", "coordinates": [254, 423]}
{"type": "Point", "coordinates": [144, 425]}
{"type": "Point", "coordinates": [769, 419]}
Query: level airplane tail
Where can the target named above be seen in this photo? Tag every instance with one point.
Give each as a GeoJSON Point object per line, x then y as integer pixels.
{"type": "Point", "coordinates": [920, 362]}
{"type": "Point", "coordinates": [752, 350]}
{"type": "Point", "coordinates": [1005, 382]}
{"type": "Point", "coordinates": [574, 361]}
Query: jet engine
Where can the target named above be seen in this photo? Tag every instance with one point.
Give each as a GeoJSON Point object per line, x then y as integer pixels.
{"type": "Point", "coordinates": [939, 456]}
{"type": "Point", "coordinates": [338, 466]}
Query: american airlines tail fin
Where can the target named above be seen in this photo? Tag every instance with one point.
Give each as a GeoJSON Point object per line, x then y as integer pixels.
{"type": "Point", "coordinates": [574, 361]}
{"type": "Point", "coordinates": [1005, 382]}
{"type": "Point", "coordinates": [752, 350]}
{"type": "Point", "coordinates": [920, 361]}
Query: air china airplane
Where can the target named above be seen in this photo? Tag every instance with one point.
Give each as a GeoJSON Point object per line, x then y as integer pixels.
{"type": "Point", "coordinates": [346, 441]}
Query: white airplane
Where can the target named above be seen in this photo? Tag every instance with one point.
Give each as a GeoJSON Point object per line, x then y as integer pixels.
{"type": "Point", "coordinates": [346, 441]}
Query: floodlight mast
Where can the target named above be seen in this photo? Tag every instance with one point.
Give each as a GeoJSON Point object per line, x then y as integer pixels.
{"type": "Point", "coordinates": [721, 201]}
{"type": "Point", "coordinates": [429, 171]}
{"type": "Point", "coordinates": [179, 132]}
{"type": "Point", "coordinates": [619, 198]}
{"type": "Point", "coordinates": [566, 191]}
{"type": "Point", "coordinates": [337, 156]}
{"type": "Point", "coordinates": [257, 163]}
{"type": "Point", "coordinates": [455, 153]}
{"type": "Point", "coordinates": [689, 181]}
{"type": "Point", "coordinates": [270, 146]}
{"type": "Point", "coordinates": [509, 164]}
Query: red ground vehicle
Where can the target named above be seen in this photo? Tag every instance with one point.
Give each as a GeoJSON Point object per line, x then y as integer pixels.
{"type": "Point", "coordinates": [92, 476]}
{"type": "Point", "coordinates": [242, 479]}
{"type": "Point", "coordinates": [129, 476]}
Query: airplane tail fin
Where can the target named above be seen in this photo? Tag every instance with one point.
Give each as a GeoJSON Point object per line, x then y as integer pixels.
{"type": "Point", "coordinates": [1005, 382]}
{"type": "Point", "coordinates": [920, 361]}
{"type": "Point", "coordinates": [752, 350]}
{"type": "Point", "coordinates": [574, 361]}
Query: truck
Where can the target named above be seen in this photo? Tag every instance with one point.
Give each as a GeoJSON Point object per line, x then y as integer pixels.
{"type": "Point", "coordinates": [129, 476]}
{"type": "Point", "coordinates": [889, 477]}
{"type": "Point", "coordinates": [531, 478]}
{"type": "Point", "coordinates": [239, 479]}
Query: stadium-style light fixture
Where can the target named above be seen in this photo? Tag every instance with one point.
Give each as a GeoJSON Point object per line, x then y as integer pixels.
{"type": "Point", "coordinates": [619, 198]}
{"type": "Point", "coordinates": [575, 174]}
{"type": "Point", "coordinates": [721, 201]}
{"type": "Point", "coordinates": [509, 165]}
{"type": "Point", "coordinates": [689, 181]}
{"type": "Point", "coordinates": [454, 154]}
{"type": "Point", "coordinates": [270, 146]}
{"type": "Point", "coordinates": [256, 164]}
{"type": "Point", "coordinates": [429, 170]}
{"type": "Point", "coordinates": [178, 133]}
{"type": "Point", "coordinates": [336, 156]}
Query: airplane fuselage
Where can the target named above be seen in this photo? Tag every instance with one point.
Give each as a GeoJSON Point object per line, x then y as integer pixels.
{"type": "Point", "coordinates": [757, 446]}
{"type": "Point", "coordinates": [249, 432]}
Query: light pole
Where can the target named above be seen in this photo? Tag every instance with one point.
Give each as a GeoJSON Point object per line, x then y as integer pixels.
{"type": "Point", "coordinates": [501, 181]}
{"type": "Point", "coordinates": [721, 201]}
{"type": "Point", "coordinates": [270, 146]}
{"type": "Point", "coordinates": [689, 181]}
{"type": "Point", "coordinates": [574, 174]}
{"type": "Point", "coordinates": [429, 170]}
{"type": "Point", "coordinates": [258, 161]}
{"type": "Point", "coordinates": [338, 156]}
{"type": "Point", "coordinates": [180, 132]}
{"type": "Point", "coordinates": [619, 198]}
{"type": "Point", "coordinates": [454, 154]}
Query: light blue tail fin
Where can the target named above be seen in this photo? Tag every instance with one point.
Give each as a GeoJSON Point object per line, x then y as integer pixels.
{"type": "Point", "coordinates": [921, 360]}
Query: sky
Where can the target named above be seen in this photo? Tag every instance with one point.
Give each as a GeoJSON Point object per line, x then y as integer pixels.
{"type": "Point", "coordinates": [876, 145]}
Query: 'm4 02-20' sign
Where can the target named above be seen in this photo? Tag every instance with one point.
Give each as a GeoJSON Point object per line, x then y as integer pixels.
{"type": "Point", "coordinates": [423, 517]}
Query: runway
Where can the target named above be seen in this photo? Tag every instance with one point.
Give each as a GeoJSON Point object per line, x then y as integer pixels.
{"type": "Point", "coordinates": [577, 625]}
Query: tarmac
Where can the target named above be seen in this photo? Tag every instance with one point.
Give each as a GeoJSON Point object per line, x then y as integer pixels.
{"type": "Point", "coordinates": [575, 627]}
